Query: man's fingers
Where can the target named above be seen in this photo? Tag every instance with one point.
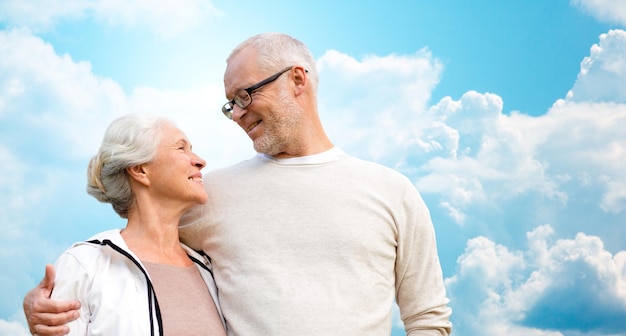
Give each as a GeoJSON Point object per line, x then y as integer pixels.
{"type": "Point", "coordinates": [52, 320]}
{"type": "Point", "coordinates": [47, 282]}
{"type": "Point", "coordinates": [60, 309]}
{"type": "Point", "coordinates": [44, 330]}
{"type": "Point", "coordinates": [45, 316]}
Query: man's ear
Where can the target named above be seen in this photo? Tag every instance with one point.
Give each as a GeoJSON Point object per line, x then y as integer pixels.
{"type": "Point", "coordinates": [300, 78]}
{"type": "Point", "coordinates": [138, 173]}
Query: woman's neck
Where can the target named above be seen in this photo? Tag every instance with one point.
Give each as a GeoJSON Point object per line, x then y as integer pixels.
{"type": "Point", "coordinates": [154, 238]}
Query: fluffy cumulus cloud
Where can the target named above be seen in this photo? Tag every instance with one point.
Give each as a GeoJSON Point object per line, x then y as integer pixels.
{"type": "Point", "coordinates": [611, 11]}
{"type": "Point", "coordinates": [475, 154]}
{"type": "Point", "coordinates": [555, 287]}
{"type": "Point", "coordinates": [572, 154]}
{"type": "Point", "coordinates": [478, 155]}
{"type": "Point", "coordinates": [169, 18]}
{"type": "Point", "coordinates": [52, 93]}
{"type": "Point", "coordinates": [605, 65]}
{"type": "Point", "coordinates": [387, 96]}
{"type": "Point", "coordinates": [592, 138]}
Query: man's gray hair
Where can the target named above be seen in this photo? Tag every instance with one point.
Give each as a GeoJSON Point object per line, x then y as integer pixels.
{"type": "Point", "coordinates": [277, 51]}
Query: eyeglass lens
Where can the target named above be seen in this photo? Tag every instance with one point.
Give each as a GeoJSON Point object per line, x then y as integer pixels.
{"type": "Point", "coordinates": [243, 99]}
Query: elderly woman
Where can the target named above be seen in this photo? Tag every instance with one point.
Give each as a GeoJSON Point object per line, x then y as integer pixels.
{"type": "Point", "coordinates": [141, 280]}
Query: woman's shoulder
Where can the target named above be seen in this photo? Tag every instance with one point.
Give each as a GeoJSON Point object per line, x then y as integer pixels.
{"type": "Point", "coordinates": [90, 252]}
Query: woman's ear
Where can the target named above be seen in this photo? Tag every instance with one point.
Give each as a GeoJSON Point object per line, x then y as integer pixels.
{"type": "Point", "coordinates": [138, 173]}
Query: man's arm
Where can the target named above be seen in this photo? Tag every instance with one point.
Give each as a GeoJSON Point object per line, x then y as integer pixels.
{"type": "Point", "coordinates": [47, 317]}
{"type": "Point", "coordinates": [420, 290]}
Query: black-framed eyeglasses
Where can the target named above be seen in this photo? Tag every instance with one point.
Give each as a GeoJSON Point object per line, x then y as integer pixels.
{"type": "Point", "coordinates": [243, 97]}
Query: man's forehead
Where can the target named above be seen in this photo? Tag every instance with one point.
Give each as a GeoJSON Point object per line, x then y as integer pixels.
{"type": "Point", "coordinates": [233, 78]}
{"type": "Point", "coordinates": [244, 58]}
{"type": "Point", "coordinates": [240, 71]}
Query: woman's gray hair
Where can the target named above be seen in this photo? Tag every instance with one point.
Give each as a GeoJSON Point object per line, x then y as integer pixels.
{"type": "Point", "coordinates": [276, 51]}
{"type": "Point", "coordinates": [128, 141]}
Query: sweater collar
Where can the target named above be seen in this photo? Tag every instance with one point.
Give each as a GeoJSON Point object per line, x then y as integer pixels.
{"type": "Point", "coordinates": [330, 155]}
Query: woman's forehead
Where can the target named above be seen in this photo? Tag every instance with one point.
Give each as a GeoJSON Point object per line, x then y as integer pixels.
{"type": "Point", "coordinates": [172, 134]}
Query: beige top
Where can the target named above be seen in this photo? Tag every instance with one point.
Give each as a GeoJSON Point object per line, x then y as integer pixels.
{"type": "Point", "coordinates": [185, 302]}
{"type": "Point", "coordinates": [319, 245]}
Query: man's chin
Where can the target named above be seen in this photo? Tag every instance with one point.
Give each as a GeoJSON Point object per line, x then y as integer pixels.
{"type": "Point", "coordinates": [263, 148]}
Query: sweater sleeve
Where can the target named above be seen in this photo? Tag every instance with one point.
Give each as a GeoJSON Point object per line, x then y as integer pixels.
{"type": "Point", "coordinates": [420, 292]}
{"type": "Point", "coordinates": [72, 283]}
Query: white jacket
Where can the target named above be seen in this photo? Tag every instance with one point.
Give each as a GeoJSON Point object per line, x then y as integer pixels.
{"type": "Point", "coordinates": [114, 288]}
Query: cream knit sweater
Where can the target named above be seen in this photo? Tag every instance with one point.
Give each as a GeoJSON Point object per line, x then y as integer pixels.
{"type": "Point", "coordinates": [319, 245]}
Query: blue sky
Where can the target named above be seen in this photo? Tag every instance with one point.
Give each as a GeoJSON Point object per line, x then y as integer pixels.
{"type": "Point", "coordinates": [509, 116]}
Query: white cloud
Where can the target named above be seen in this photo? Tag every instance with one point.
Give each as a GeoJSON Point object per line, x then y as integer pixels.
{"type": "Point", "coordinates": [611, 11]}
{"type": "Point", "coordinates": [15, 198]}
{"type": "Point", "coordinates": [614, 199]}
{"type": "Point", "coordinates": [41, 13]}
{"type": "Point", "coordinates": [589, 146]}
{"type": "Point", "coordinates": [383, 109]}
{"type": "Point", "coordinates": [13, 328]}
{"type": "Point", "coordinates": [489, 156]}
{"type": "Point", "coordinates": [474, 154]}
{"type": "Point", "coordinates": [165, 18]}
{"type": "Point", "coordinates": [52, 94]}
{"type": "Point", "coordinates": [602, 73]}
{"type": "Point", "coordinates": [557, 287]}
